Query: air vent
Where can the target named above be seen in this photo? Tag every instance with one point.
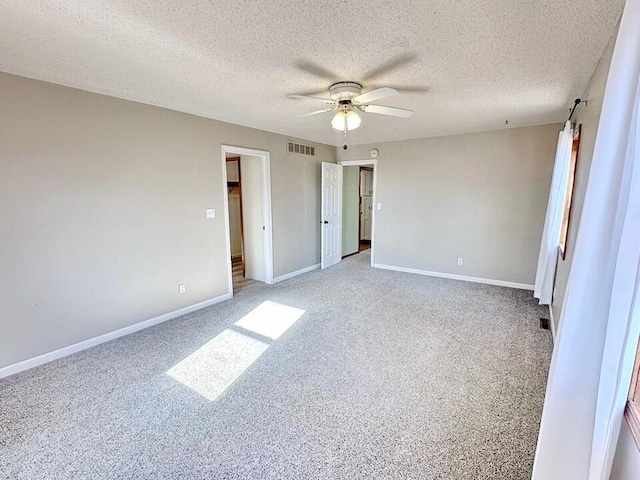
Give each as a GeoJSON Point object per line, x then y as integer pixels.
{"type": "Point", "coordinates": [301, 148]}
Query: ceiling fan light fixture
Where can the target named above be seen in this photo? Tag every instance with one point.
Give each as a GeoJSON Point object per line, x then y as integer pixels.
{"type": "Point", "coordinates": [346, 120]}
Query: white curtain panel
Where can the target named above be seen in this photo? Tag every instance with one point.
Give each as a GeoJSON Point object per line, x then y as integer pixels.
{"type": "Point", "coordinates": [548, 256]}
{"type": "Point", "coordinates": [600, 322]}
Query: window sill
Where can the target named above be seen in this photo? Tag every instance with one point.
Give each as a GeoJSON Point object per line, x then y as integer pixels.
{"type": "Point", "coordinates": [632, 414]}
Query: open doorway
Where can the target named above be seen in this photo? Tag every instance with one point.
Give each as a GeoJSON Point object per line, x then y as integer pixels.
{"type": "Point", "coordinates": [247, 216]}
{"type": "Point", "coordinates": [358, 206]}
{"type": "Point", "coordinates": [365, 209]}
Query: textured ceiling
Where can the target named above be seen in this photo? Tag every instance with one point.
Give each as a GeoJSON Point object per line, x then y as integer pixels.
{"type": "Point", "coordinates": [481, 62]}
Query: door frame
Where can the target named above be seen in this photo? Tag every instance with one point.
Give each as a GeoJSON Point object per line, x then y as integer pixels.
{"type": "Point", "coordinates": [374, 163]}
{"type": "Point", "coordinates": [265, 163]}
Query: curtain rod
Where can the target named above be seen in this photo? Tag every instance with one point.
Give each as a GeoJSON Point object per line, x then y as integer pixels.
{"type": "Point", "coordinates": [575, 104]}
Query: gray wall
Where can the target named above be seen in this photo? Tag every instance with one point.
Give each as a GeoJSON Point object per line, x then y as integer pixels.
{"type": "Point", "coordinates": [350, 209]}
{"type": "Point", "coordinates": [103, 212]}
{"type": "Point", "coordinates": [481, 196]}
{"type": "Point", "coordinates": [589, 116]}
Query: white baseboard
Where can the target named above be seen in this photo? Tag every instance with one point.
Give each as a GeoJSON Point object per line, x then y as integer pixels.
{"type": "Point", "coordinates": [488, 281]}
{"type": "Point", "coordinates": [92, 342]}
{"type": "Point", "coordinates": [296, 273]}
{"type": "Point", "coordinates": [553, 324]}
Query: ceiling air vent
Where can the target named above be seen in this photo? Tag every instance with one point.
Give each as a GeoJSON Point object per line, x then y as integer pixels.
{"type": "Point", "coordinates": [301, 148]}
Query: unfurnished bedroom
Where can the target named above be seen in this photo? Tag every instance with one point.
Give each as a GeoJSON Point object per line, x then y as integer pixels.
{"type": "Point", "coordinates": [320, 240]}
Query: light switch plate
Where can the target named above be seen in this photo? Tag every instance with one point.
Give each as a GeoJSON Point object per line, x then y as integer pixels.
{"type": "Point", "coordinates": [211, 213]}
{"type": "Point", "coordinates": [378, 206]}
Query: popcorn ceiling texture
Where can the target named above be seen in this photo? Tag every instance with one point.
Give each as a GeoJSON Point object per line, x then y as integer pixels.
{"type": "Point", "coordinates": [482, 62]}
{"type": "Point", "coordinates": [385, 375]}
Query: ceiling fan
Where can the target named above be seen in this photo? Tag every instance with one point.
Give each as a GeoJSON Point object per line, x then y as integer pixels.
{"type": "Point", "coordinates": [347, 99]}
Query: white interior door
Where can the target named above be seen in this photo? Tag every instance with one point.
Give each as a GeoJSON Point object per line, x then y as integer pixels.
{"type": "Point", "coordinates": [331, 214]}
{"type": "Point", "coordinates": [366, 182]}
{"type": "Point", "coordinates": [253, 218]}
{"type": "Point", "coordinates": [366, 206]}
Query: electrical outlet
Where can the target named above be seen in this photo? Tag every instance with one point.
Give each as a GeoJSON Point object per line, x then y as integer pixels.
{"type": "Point", "coordinates": [211, 213]}
{"type": "Point", "coordinates": [182, 289]}
{"type": "Point", "coordinates": [460, 261]}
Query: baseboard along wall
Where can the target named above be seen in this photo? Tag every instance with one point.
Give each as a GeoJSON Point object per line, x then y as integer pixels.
{"type": "Point", "coordinates": [78, 347]}
{"type": "Point", "coordinates": [451, 276]}
{"type": "Point", "coordinates": [92, 342]}
{"type": "Point", "coordinates": [287, 276]}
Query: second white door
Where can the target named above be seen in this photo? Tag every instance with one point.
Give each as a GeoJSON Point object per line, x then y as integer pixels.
{"type": "Point", "coordinates": [365, 217]}
{"type": "Point", "coordinates": [253, 217]}
{"type": "Point", "coordinates": [331, 214]}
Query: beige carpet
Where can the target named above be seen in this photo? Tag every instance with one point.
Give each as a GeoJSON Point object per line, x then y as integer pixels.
{"type": "Point", "coordinates": [347, 373]}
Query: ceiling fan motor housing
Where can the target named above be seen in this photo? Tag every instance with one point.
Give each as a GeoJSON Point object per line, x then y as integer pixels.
{"type": "Point", "coordinates": [342, 91]}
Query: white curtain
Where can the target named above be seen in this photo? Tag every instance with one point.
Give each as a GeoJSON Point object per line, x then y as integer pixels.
{"type": "Point", "coordinates": [548, 256]}
{"type": "Point", "coordinates": [600, 321]}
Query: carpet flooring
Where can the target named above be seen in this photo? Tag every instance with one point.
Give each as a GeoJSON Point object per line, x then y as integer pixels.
{"type": "Point", "coordinates": [347, 373]}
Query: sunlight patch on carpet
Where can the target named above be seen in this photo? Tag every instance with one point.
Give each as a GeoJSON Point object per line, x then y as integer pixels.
{"type": "Point", "coordinates": [212, 368]}
{"type": "Point", "coordinates": [270, 319]}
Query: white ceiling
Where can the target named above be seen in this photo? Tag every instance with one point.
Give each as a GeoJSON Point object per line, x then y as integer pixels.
{"type": "Point", "coordinates": [483, 62]}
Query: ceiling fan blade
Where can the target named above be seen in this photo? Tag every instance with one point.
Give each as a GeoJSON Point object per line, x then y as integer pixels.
{"type": "Point", "coordinates": [314, 69]}
{"type": "Point", "coordinates": [406, 88]}
{"type": "Point", "coordinates": [313, 93]}
{"type": "Point", "coordinates": [312, 97]}
{"type": "Point", "coordinates": [394, 112]}
{"type": "Point", "coordinates": [392, 64]}
{"type": "Point", "coordinates": [310, 114]}
{"type": "Point", "coordinates": [376, 94]}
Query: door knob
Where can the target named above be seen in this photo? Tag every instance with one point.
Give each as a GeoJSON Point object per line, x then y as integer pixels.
{"type": "Point", "coordinates": [325, 221]}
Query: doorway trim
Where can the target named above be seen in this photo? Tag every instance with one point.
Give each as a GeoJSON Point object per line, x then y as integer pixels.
{"type": "Point", "coordinates": [265, 163]}
{"type": "Point", "coordinates": [368, 162]}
